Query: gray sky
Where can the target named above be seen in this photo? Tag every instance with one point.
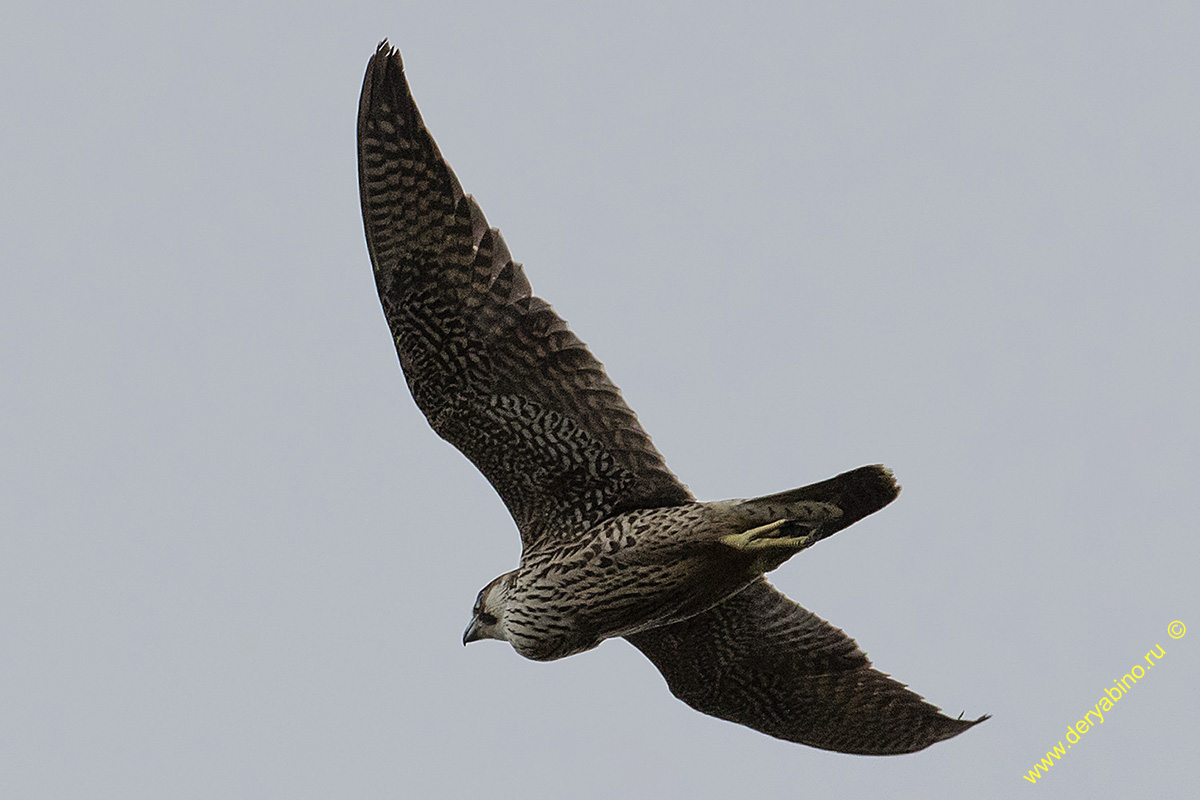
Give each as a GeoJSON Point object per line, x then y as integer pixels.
{"type": "Point", "coordinates": [958, 239]}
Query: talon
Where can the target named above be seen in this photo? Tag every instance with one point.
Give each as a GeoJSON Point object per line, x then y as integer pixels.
{"type": "Point", "coordinates": [762, 538]}
{"type": "Point", "coordinates": [746, 540]}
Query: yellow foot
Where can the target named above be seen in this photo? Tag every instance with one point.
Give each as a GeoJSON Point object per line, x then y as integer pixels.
{"type": "Point", "coordinates": [766, 537]}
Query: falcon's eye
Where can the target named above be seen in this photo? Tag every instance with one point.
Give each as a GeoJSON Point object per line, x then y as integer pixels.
{"type": "Point", "coordinates": [486, 618]}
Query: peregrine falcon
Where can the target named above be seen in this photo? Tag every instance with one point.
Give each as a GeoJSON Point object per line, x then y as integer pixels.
{"type": "Point", "coordinates": [613, 544]}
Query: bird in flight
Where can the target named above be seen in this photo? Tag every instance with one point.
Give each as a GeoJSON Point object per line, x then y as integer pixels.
{"type": "Point", "coordinates": [613, 544]}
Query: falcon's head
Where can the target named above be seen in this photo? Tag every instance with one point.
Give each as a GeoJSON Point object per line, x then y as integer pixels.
{"type": "Point", "coordinates": [487, 618]}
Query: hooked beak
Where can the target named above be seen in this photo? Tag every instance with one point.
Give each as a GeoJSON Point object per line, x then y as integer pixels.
{"type": "Point", "coordinates": [472, 632]}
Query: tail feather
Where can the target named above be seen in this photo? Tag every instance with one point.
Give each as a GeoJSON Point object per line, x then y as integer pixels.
{"type": "Point", "coordinates": [856, 494]}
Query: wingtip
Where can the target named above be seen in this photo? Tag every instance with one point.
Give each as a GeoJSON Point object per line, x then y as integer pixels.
{"type": "Point", "coordinates": [384, 78]}
{"type": "Point", "coordinates": [941, 728]}
{"type": "Point", "coordinates": [962, 725]}
{"type": "Point", "coordinates": [386, 50]}
{"type": "Point", "coordinates": [385, 55]}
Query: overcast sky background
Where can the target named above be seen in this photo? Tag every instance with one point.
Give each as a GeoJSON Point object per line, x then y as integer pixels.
{"type": "Point", "coordinates": [958, 239]}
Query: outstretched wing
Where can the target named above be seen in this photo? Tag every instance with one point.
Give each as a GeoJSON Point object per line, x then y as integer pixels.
{"type": "Point", "coordinates": [761, 660]}
{"type": "Point", "coordinates": [496, 372]}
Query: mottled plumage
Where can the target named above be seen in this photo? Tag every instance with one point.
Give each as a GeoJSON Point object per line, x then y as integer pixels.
{"type": "Point", "coordinates": [613, 543]}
